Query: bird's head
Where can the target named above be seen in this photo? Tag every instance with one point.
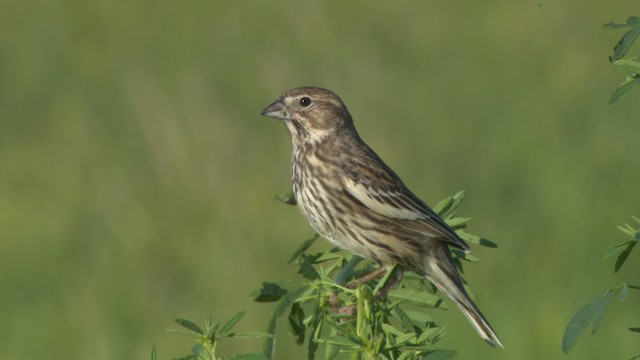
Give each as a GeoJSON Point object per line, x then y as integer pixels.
{"type": "Point", "coordinates": [310, 113]}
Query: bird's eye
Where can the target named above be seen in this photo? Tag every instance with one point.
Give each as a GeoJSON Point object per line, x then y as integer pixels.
{"type": "Point", "coordinates": [305, 101]}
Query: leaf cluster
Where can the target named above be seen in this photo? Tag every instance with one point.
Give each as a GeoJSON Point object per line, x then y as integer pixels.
{"type": "Point", "coordinates": [334, 314]}
{"type": "Point", "coordinates": [629, 65]}
{"type": "Point", "coordinates": [207, 339]}
{"type": "Point", "coordinates": [593, 312]}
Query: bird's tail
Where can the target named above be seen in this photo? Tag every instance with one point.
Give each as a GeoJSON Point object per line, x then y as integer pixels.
{"type": "Point", "coordinates": [442, 273]}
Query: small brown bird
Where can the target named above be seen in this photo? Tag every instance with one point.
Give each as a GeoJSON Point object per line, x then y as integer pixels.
{"type": "Point", "coordinates": [354, 200]}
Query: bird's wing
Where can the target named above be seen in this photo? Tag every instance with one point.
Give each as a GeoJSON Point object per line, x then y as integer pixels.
{"type": "Point", "coordinates": [393, 200]}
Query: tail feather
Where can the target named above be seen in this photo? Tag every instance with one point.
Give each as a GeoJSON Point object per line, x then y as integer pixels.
{"type": "Point", "coordinates": [480, 324]}
{"type": "Point", "coordinates": [442, 273]}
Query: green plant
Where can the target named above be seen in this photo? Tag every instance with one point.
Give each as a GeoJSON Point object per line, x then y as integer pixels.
{"type": "Point", "coordinates": [207, 340]}
{"type": "Point", "coordinates": [379, 319]}
{"type": "Point", "coordinates": [628, 65]}
{"type": "Point", "coordinates": [592, 312]}
{"type": "Point", "coordinates": [327, 307]}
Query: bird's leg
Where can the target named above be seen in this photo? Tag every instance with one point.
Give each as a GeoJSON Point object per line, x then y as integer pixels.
{"type": "Point", "coordinates": [351, 309]}
{"type": "Point", "coordinates": [395, 279]}
{"type": "Point", "coordinates": [368, 277]}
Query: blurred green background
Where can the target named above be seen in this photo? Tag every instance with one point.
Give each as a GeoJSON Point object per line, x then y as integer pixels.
{"type": "Point", "coordinates": [137, 177]}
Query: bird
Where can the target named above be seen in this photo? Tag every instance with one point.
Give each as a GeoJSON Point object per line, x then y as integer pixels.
{"type": "Point", "coordinates": [354, 200]}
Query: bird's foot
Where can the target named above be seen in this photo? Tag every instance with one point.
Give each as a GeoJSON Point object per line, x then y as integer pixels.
{"type": "Point", "coordinates": [351, 310]}
{"type": "Point", "coordinates": [368, 277]}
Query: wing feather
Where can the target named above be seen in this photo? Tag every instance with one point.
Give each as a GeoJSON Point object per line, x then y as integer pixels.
{"type": "Point", "coordinates": [395, 201]}
{"type": "Point", "coordinates": [387, 204]}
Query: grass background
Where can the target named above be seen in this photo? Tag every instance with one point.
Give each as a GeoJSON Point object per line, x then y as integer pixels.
{"type": "Point", "coordinates": [136, 175]}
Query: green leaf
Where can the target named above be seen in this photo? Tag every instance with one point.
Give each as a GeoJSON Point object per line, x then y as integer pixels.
{"type": "Point", "coordinates": [338, 263]}
{"type": "Point", "coordinates": [330, 350]}
{"type": "Point", "coordinates": [420, 318]}
{"type": "Point", "coordinates": [339, 341]}
{"type": "Point", "coordinates": [457, 222]}
{"type": "Point", "coordinates": [629, 65]}
{"type": "Point", "coordinates": [211, 328]}
{"type": "Point", "coordinates": [623, 89]}
{"type": "Point", "coordinates": [316, 330]}
{"type": "Point", "coordinates": [190, 325]}
{"type": "Point", "coordinates": [629, 230]}
{"type": "Point", "coordinates": [288, 197]}
{"type": "Point", "coordinates": [154, 354]}
{"type": "Point", "coordinates": [251, 335]}
{"type": "Point", "coordinates": [386, 277]}
{"type": "Point", "coordinates": [457, 200]}
{"type": "Point", "coordinates": [404, 318]}
{"type": "Point", "coordinates": [624, 292]}
{"type": "Point", "coordinates": [624, 255]}
{"type": "Point", "coordinates": [327, 256]}
{"type": "Point", "coordinates": [296, 327]}
{"type": "Point", "coordinates": [407, 356]}
{"type": "Point", "coordinates": [465, 255]}
{"type": "Point", "coordinates": [623, 248]}
{"type": "Point", "coordinates": [443, 205]}
{"type": "Point", "coordinates": [590, 313]}
{"type": "Point", "coordinates": [475, 239]}
{"type": "Point", "coordinates": [269, 292]}
{"type": "Point", "coordinates": [406, 339]}
{"type": "Point", "coordinates": [431, 335]}
{"type": "Point", "coordinates": [390, 329]}
{"type": "Point", "coordinates": [447, 207]}
{"type": "Point", "coordinates": [306, 269]}
{"type": "Point", "coordinates": [625, 43]}
{"type": "Point", "coordinates": [232, 322]}
{"type": "Point", "coordinates": [348, 270]}
{"type": "Point", "coordinates": [198, 350]}
{"type": "Point", "coordinates": [417, 297]}
{"type": "Point", "coordinates": [602, 306]}
{"type": "Point", "coordinates": [576, 326]}
{"type": "Point", "coordinates": [631, 21]}
{"type": "Point", "coordinates": [286, 301]}
{"type": "Point", "coordinates": [302, 248]}
{"type": "Point", "coordinates": [634, 329]}
{"type": "Point", "coordinates": [615, 249]}
{"type": "Point", "coordinates": [488, 243]}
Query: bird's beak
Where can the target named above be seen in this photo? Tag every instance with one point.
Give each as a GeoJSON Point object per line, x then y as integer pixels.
{"type": "Point", "coordinates": [275, 110]}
